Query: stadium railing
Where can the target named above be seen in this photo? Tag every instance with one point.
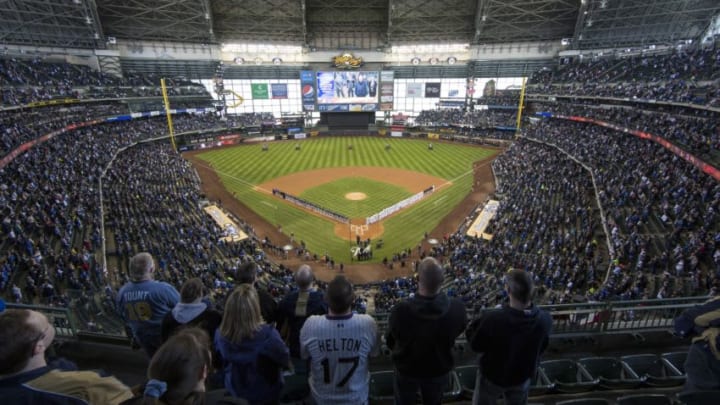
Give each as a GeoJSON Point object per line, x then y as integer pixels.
{"type": "Point", "coordinates": [569, 320]}
{"type": "Point", "coordinates": [61, 318]}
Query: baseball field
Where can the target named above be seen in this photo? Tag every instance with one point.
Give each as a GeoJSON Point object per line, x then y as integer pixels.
{"type": "Point", "coordinates": [354, 177]}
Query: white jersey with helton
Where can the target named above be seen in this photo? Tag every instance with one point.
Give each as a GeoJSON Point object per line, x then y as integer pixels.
{"type": "Point", "coordinates": [338, 348]}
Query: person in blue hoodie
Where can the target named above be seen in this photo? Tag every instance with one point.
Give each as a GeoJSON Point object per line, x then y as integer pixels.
{"type": "Point", "coordinates": [253, 354]}
{"type": "Point", "coordinates": [192, 310]}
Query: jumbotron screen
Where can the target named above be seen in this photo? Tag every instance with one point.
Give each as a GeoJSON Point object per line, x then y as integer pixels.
{"type": "Point", "coordinates": [347, 91]}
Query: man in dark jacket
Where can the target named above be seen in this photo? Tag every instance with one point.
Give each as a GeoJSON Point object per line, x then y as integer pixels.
{"type": "Point", "coordinates": [421, 333]}
{"type": "Point", "coordinates": [510, 340]}
{"type": "Point", "coordinates": [246, 275]}
{"type": "Point", "coordinates": [702, 323]}
{"type": "Point", "coordinates": [296, 307]}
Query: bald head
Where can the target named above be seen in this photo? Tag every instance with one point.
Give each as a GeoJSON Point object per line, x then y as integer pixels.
{"type": "Point", "coordinates": [430, 276]}
{"type": "Point", "coordinates": [304, 277]}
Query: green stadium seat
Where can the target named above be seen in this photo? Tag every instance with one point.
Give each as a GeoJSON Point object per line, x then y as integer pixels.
{"type": "Point", "coordinates": [610, 372]}
{"type": "Point", "coordinates": [653, 370]}
{"type": "Point", "coordinates": [540, 384]}
{"type": "Point", "coordinates": [296, 388]}
{"type": "Point", "coordinates": [644, 399]}
{"type": "Point", "coordinates": [466, 376]}
{"type": "Point", "coordinates": [584, 401]}
{"type": "Point", "coordinates": [568, 376]}
{"type": "Point", "coordinates": [453, 390]}
{"type": "Point", "coordinates": [675, 360]}
{"type": "Point", "coordinates": [382, 386]}
{"type": "Point", "coordinates": [699, 398]}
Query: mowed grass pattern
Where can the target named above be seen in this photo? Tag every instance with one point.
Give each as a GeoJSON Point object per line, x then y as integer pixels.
{"type": "Point", "coordinates": [242, 167]}
{"type": "Point", "coordinates": [332, 196]}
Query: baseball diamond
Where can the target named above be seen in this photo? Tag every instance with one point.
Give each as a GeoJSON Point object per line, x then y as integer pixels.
{"type": "Point", "coordinates": [325, 172]}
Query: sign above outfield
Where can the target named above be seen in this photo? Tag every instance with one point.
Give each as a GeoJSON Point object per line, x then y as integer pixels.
{"type": "Point", "coordinates": [347, 61]}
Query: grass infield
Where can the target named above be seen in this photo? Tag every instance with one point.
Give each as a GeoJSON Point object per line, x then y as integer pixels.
{"type": "Point", "coordinates": [378, 196]}
{"type": "Point", "coordinates": [243, 167]}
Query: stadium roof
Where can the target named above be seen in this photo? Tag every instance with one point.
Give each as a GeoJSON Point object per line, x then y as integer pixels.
{"type": "Point", "coordinates": [343, 24]}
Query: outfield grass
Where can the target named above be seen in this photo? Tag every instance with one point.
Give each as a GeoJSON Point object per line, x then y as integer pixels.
{"type": "Point", "coordinates": [332, 196]}
{"type": "Point", "coordinates": [242, 167]}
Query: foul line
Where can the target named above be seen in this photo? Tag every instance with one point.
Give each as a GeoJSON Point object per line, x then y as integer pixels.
{"type": "Point", "coordinates": [239, 180]}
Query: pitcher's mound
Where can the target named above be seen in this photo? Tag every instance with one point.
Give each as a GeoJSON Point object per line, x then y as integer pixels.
{"type": "Point", "coordinates": [355, 196]}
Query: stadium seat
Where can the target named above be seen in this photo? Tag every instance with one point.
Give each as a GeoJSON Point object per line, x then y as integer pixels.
{"type": "Point", "coordinates": [381, 386]}
{"type": "Point", "coordinates": [584, 401]}
{"type": "Point", "coordinates": [568, 376]}
{"type": "Point", "coordinates": [644, 399]}
{"type": "Point", "coordinates": [610, 372]}
{"type": "Point", "coordinates": [296, 388]}
{"type": "Point", "coordinates": [699, 397]}
{"type": "Point", "coordinates": [466, 377]}
{"type": "Point", "coordinates": [453, 390]}
{"type": "Point", "coordinates": [675, 360]}
{"type": "Point", "coordinates": [653, 370]}
{"type": "Point", "coordinates": [540, 384]}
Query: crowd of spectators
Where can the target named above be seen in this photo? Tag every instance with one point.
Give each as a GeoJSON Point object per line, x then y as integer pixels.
{"type": "Point", "coordinates": [456, 117]}
{"type": "Point", "coordinates": [18, 126]}
{"type": "Point", "coordinates": [661, 211]}
{"type": "Point", "coordinates": [696, 133]}
{"type": "Point", "coordinates": [683, 75]}
{"type": "Point", "coordinates": [51, 218]}
{"type": "Point", "coordinates": [546, 224]}
{"type": "Point", "coordinates": [30, 80]}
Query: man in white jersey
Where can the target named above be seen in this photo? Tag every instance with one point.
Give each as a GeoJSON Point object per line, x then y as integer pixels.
{"type": "Point", "coordinates": [338, 345]}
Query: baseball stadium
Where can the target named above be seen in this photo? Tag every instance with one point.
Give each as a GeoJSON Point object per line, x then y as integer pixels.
{"type": "Point", "coordinates": [389, 201]}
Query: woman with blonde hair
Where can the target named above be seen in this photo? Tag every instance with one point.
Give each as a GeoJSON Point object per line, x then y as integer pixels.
{"type": "Point", "coordinates": [253, 354]}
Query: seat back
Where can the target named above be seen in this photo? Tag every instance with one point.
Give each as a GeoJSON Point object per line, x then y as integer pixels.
{"type": "Point", "coordinates": [676, 360]}
{"type": "Point", "coordinates": [605, 367]}
{"type": "Point", "coordinates": [699, 397]}
{"type": "Point", "coordinates": [644, 399]}
{"type": "Point", "coordinates": [564, 371]}
{"type": "Point", "coordinates": [645, 364]}
{"type": "Point", "coordinates": [382, 385]}
{"type": "Point", "coordinates": [466, 377]}
{"type": "Point", "coordinates": [584, 401]}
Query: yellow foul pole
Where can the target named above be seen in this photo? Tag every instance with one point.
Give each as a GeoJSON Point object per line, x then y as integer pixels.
{"type": "Point", "coordinates": [167, 113]}
{"type": "Point", "coordinates": [520, 106]}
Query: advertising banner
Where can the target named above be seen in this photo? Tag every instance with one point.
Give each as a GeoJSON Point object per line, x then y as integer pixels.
{"type": "Point", "coordinates": [334, 107]}
{"type": "Point", "coordinates": [259, 91]}
{"type": "Point", "coordinates": [414, 90]}
{"type": "Point", "coordinates": [387, 89]}
{"type": "Point", "coordinates": [307, 88]}
{"type": "Point", "coordinates": [279, 90]}
{"type": "Point", "coordinates": [432, 89]}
